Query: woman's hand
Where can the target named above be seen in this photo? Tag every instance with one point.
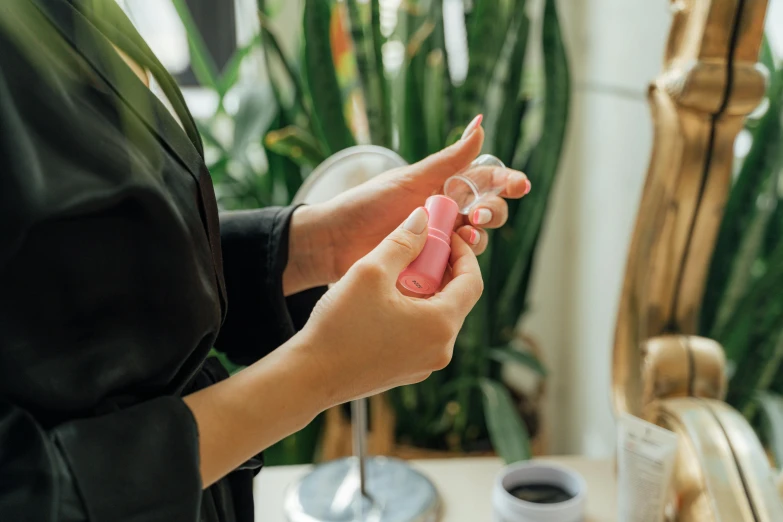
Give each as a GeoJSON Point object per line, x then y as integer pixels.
{"type": "Point", "coordinates": [371, 337]}
{"type": "Point", "coordinates": [327, 239]}
{"type": "Point", "coordinates": [363, 337]}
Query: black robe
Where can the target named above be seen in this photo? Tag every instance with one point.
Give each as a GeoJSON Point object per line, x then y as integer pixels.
{"type": "Point", "coordinates": [116, 275]}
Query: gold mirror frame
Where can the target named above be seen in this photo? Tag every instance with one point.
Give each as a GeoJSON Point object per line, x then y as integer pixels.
{"type": "Point", "coordinates": [662, 371]}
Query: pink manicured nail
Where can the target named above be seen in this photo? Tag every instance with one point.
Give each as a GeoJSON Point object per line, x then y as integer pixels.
{"type": "Point", "coordinates": [472, 126]}
{"type": "Point", "coordinates": [417, 221]}
{"type": "Point", "coordinates": [528, 186]}
{"type": "Point", "coordinates": [482, 216]}
{"type": "Point", "coordinates": [474, 237]}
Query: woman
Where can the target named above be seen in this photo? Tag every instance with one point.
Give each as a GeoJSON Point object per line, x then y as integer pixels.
{"type": "Point", "coordinates": [118, 277]}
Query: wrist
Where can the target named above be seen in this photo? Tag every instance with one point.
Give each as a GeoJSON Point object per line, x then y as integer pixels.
{"type": "Point", "coordinates": [310, 251]}
{"type": "Point", "coordinates": [316, 374]}
{"type": "Point", "coordinates": [301, 375]}
{"type": "Point", "coordinates": [255, 408]}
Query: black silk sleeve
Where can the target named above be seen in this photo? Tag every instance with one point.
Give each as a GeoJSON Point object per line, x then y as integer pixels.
{"type": "Point", "coordinates": [255, 253]}
{"type": "Point", "coordinates": [134, 465]}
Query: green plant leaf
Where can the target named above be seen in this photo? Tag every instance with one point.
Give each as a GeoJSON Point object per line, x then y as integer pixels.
{"type": "Point", "coordinates": [297, 144]}
{"type": "Point", "coordinates": [201, 61]}
{"type": "Point", "coordinates": [328, 117]}
{"type": "Point", "coordinates": [749, 248]}
{"type": "Point", "coordinates": [767, 57]}
{"type": "Point", "coordinates": [508, 127]}
{"type": "Point", "coordinates": [509, 355]}
{"type": "Point", "coordinates": [385, 90]}
{"type": "Point", "coordinates": [273, 53]}
{"type": "Point", "coordinates": [230, 367]}
{"type": "Point", "coordinates": [208, 136]}
{"type": "Point", "coordinates": [434, 100]}
{"type": "Point", "coordinates": [506, 429]}
{"type": "Point", "coordinates": [283, 167]}
{"type": "Point", "coordinates": [217, 170]}
{"type": "Point", "coordinates": [753, 337]}
{"type": "Point", "coordinates": [271, 9]}
{"type": "Point", "coordinates": [371, 74]}
{"type": "Point", "coordinates": [299, 448]}
{"type": "Point", "coordinates": [486, 35]}
{"type": "Point", "coordinates": [541, 168]}
{"type": "Point", "coordinates": [454, 135]}
{"type": "Point", "coordinates": [257, 111]}
{"type": "Point", "coordinates": [230, 74]}
{"type": "Point", "coordinates": [772, 407]}
{"type": "Point", "coordinates": [415, 29]}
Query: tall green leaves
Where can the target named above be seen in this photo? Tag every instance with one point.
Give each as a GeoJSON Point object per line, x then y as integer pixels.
{"type": "Point", "coordinates": [201, 61]}
{"type": "Point", "coordinates": [416, 29]}
{"type": "Point", "coordinates": [283, 76]}
{"type": "Point", "coordinates": [540, 168]}
{"type": "Point", "coordinates": [434, 113]}
{"type": "Point", "coordinates": [328, 117]}
{"type": "Point", "coordinates": [486, 34]}
{"type": "Point", "coordinates": [508, 128]}
{"type": "Point", "coordinates": [508, 434]}
{"type": "Point", "coordinates": [263, 153]}
{"type": "Point", "coordinates": [371, 74]}
{"type": "Point", "coordinates": [480, 403]}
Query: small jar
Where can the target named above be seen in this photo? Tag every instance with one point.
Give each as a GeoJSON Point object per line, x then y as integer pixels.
{"type": "Point", "coordinates": [509, 508]}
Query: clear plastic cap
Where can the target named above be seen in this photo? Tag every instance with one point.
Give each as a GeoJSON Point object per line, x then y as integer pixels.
{"type": "Point", "coordinates": [477, 182]}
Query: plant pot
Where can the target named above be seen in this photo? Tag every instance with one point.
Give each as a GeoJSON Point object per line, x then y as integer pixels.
{"type": "Point", "coordinates": [406, 452]}
{"type": "Point", "coordinates": [337, 437]}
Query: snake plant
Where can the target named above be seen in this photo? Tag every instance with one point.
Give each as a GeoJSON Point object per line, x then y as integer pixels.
{"type": "Point", "coordinates": [341, 81]}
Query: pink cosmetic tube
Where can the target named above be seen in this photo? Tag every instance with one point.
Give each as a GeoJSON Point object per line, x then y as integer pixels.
{"type": "Point", "coordinates": [425, 274]}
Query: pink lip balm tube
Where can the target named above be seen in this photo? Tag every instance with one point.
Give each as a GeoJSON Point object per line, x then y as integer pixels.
{"type": "Point", "coordinates": [425, 274]}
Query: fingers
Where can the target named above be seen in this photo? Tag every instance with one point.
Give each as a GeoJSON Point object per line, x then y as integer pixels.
{"type": "Point", "coordinates": [466, 285]}
{"type": "Point", "coordinates": [438, 167]}
{"type": "Point", "coordinates": [489, 213]}
{"type": "Point", "coordinates": [512, 183]}
{"type": "Point", "coordinates": [402, 246]}
{"type": "Point", "coordinates": [517, 185]}
{"type": "Point", "coordinates": [476, 238]}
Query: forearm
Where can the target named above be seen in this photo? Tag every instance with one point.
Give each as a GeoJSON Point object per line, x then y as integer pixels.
{"type": "Point", "coordinates": [310, 251]}
{"type": "Point", "coordinates": [250, 411]}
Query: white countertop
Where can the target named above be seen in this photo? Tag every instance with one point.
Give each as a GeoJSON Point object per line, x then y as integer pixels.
{"type": "Point", "coordinates": [465, 486]}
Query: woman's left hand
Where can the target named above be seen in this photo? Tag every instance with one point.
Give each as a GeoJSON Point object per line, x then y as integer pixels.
{"type": "Point", "coordinates": [327, 239]}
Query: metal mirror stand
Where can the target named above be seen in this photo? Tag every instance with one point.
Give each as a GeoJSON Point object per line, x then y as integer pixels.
{"type": "Point", "coordinates": [358, 488]}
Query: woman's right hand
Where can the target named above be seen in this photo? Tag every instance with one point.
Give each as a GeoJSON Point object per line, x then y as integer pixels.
{"type": "Point", "coordinates": [368, 337]}
{"type": "Point", "coordinates": [363, 337]}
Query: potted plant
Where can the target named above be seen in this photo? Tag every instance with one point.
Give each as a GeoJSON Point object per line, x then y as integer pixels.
{"type": "Point", "coordinates": [411, 85]}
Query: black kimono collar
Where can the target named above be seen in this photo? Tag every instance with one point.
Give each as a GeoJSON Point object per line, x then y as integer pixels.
{"type": "Point", "coordinates": [85, 32]}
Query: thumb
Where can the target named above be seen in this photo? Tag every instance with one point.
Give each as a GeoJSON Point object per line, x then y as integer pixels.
{"type": "Point", "coordinates": [403, 245]}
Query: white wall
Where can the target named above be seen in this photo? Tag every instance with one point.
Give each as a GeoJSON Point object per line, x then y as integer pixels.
{"type": "Point", "coordinates": [615, 48]}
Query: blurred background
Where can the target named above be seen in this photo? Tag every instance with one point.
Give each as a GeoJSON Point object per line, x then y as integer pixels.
{"type": "Point", "coordinates": [280, 85]}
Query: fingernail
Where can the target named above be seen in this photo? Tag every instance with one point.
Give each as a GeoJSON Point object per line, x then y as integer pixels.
{"type": "Point", "coordinates": [474, 237]}
{"type": "Point", "coordinates": [472, 126]}
{"type": "Point", "coordinates": [528, 186]}
{"type": "Point", "coordinates": [417, 221]}
{"type": "Point", "coordinates": [482, 216]}
{"type": "Point", "coordinates": [516, 177]}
